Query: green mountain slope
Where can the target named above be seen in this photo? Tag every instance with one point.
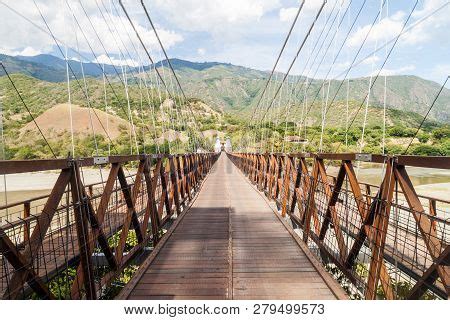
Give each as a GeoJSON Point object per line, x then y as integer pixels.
{"type": "Point", "coordinates": [31, 68]}
{"type": "Point", "coordinates": [47, 102]}
{"type": "Point", "coordinates": [238, 89]}
{"type": "Point", "coordinates": [235, 89]}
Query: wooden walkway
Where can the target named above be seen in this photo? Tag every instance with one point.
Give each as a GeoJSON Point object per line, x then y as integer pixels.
{"type": "Point", "coordinates": [231, 245]}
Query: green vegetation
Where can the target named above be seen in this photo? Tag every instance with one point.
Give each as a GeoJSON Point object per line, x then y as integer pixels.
{"type": "Point", "coordinates": [40, 96]}
{"type": "Point", "coordinates": [401, 287]}
{"type": "Point", "coordinates": [151, 137]}
{"type": "Point", "coordinates": [60, 286]}
{"type": "Point", "coordinates": [432, 139]}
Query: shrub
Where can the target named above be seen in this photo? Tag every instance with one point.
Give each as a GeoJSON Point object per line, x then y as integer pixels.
{"type": "Point", "coordinates": [427, 150]}
{"type": "Point", "coordinates": [441, 133]}
{"type": "Point", "coordinates": [402, 132]}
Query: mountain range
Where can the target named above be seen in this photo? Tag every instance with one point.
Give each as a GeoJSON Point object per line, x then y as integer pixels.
{"type": "Point", "coordinates": [237, 89]}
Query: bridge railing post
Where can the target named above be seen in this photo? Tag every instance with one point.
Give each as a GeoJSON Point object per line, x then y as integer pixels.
{"type": "Point", "coordinates": [380, 225]}
{"type": "Point", "coordinates": [175, 186]}
{"type": "Point", "coordinates": [311, 205]}
{"type": "Point", "coordinates": [81, 208]}
{"type": "Point", "coordinates": [286, 184]}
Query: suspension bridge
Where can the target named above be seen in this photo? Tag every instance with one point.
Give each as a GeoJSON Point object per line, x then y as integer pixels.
{"type": "Point", "coordinates": [263, 219]}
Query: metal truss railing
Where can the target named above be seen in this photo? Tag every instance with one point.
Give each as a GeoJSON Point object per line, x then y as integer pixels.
{"type": "Point", "coordinates": [380, 242]}
{"type": "Point", "coordinates": [74, 242]}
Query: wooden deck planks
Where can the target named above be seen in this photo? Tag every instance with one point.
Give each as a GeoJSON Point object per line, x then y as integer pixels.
{"type": "Point", "coordinates": [229, 245]}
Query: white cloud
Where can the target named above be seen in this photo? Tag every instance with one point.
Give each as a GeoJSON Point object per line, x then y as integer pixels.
{"type": "Point", "coordinates": [310, 9]}
{"type": "Point", "coordinates": [435, 27]}
{"type": "Point", "coordinates": [117, 62]}
{"type": "Point", "coordinates": [389, 27]}
{"type": "Point", "coordinates": [59, 18]}
{"type": "Point", "coordinates": [201, 51]}
{"type": "Point", "coordinates": [215, 16]}
{"type": "Point", "coordinates": [371, 59]}
{"type": "Point", "coordinates": [287, 14]}
{"type": "Point", "coordinates": [27, 51]}
{"type": "Point", "coordinates": [397, 71]}
{"type": "Point", "coordinates": [384, 30]}
{"type": "Point", "coordinates": [440, 72]}
{"type": "Point", "coordinates": [342, 65]}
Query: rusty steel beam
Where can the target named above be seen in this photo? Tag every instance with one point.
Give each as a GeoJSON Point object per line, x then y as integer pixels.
{"type": "Point", "coordinates": [424, 162]}
{"type": "Point", "coordinates": [372, 210]}
{"type": "Point", "coordinates": [88, 220]}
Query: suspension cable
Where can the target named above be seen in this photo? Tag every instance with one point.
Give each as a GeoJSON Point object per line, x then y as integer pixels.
{"type": "Point", "coordinates": [279, 55]}
{"type": "Point", "coordinates": [297, 54]}
{"type": "Point", "coordinates": [151, 59]}
{"type": "Point", "coordinates": [384, 63]}
{"type": "Point", "coordinates": [3, 153]}
{"type": "Point", "coordinates": [129, 55]}
{"type": "Point", "coordinates": [256, 109]}
{"type": "Point", "coordinates": [383, 139]}
{"type": "Point", "coordinates": [96, 58]}
{"type": "Point", "coordinates": [353, 65]}
{"type": "Point", "coordinates": [69, 96]}
{"type": "Point", "coordinates": [170, 65]}
{"type": "Point", "coordinates": [264, 114]}
{"type": "Point", "coordinates": [57, 42]}
{"type": "Point", "coordinates": [369, 91]}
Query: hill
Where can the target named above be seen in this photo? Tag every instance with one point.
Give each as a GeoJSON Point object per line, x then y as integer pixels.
{"type": "Point", "coordinates": [47, 103]}
{"type": "Point", "coordinates": [55, 121]}
{"type": "Point", "coordinates": [31, 68]}
{"type": "Point", "coordinates": [236, 89]}
{"type": "Point", "coordinates": [161, 126]}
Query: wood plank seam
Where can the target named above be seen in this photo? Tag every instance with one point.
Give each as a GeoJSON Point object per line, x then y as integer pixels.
{"type": "Point", "coordinates": [334, 286]}
{"type": "Point", "coordinates": [126, 291]}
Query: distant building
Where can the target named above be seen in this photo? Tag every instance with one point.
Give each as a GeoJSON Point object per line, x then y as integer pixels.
{"type": "Point", "coordinates": [228, 145]}
{"type": "Point", "coordinates": [218, 145]}
{"type": "Point", "coordinates": [295, 139]}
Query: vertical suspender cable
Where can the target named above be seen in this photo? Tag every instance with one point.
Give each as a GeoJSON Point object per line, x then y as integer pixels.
{"type": "Point", "coordinates": [130, 116]}
{"type": "Point", "coordinates": [106, 107]}
{"type": "Point", "coordinates": [297, 53]}
{"type": "Point", "coordinates": [117, 35]}
{"type": "Point", "coordinates": [266, 87]}
{"type": "Point", "coordinates": [69, 96]}
{"type": "Point", "coordinates": [383, 142]}
{"type": "Point", "coordinates": [369, 91]}
{"type": "Point", "coordinates": [169, 63]}
{"type": "Point", "coordinates": [335, 55]}
{"type": "Point", "coordinates": [95, 56]}
{"type": "Point", "coordinates": [352, 64]}
{"type": "Point", "coordinates": [311, 104]}
{"type": "Point", "coordinates": [384, 63]}
{"type": "Point", "coordinates": [141, 100]}
{"type": "Point", "coordinates": [3, 151]}
{"type": "Point", "coordinates": [58, 43]}
{"type": "Point", "coordinates": [86, 90]}
{"type": "Point", "coordinates": [294, 22]}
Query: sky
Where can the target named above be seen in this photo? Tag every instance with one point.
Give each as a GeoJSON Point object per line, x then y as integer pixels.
{"type": "Point", "coordinates": [249, 33]}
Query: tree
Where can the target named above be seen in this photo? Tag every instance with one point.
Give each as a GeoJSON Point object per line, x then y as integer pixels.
{"type": "Point", "coordinates": [427, 150]}
{"type": "Point", "coordinates": [441, 133]}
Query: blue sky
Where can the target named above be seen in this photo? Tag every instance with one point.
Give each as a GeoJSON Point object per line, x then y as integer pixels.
{"type": "Point", "coordinates": [242, 32]}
